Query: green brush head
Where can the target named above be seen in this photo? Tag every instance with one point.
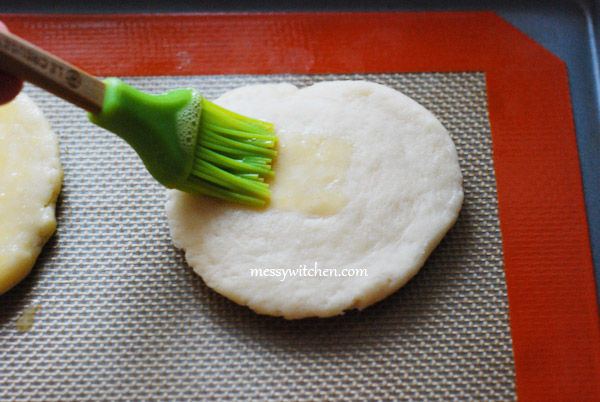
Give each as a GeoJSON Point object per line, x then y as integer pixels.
{"type": "Point", "coordinates": [191, 144]}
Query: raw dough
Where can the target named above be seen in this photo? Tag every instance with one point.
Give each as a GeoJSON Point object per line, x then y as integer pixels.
{"type": "Point", "coordinates": [30, 179]}
{"type": "Point", "coordinates": [382, 199]}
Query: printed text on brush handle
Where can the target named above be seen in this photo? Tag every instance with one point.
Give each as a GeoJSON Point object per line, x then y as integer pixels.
{"type": "Point", "coordinates": [25, 60]}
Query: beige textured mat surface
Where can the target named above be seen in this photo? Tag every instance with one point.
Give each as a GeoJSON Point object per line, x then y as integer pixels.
{"type": "Point", "coordinates": [122, 317]}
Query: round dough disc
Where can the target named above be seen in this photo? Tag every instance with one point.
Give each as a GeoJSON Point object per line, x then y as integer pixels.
{"type": "Point", "coordinates": [367, 184]}
{"type": "Point", "coordinates": [30, 180]}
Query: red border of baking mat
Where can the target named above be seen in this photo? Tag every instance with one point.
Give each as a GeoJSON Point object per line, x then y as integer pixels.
{"type": "Point", "coordinates": [549, 273]}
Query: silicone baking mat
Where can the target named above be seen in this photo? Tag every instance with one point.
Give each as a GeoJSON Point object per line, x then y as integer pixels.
{"type": "Point", "coordinates": [121, 316]}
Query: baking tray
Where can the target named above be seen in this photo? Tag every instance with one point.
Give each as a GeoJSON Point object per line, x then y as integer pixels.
{"type": "Point", "coordinates": [560, 29]}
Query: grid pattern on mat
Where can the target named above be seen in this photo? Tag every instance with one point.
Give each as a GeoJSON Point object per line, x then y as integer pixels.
{"type": "Point", "coordinates": [122, 316]}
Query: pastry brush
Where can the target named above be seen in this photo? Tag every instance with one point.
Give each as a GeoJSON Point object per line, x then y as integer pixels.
{"type": "Point", "coordinates": [185, 141]}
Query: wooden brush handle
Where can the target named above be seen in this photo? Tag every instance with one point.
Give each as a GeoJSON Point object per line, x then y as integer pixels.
{"type": "Point", "coordinates": [30, 63]}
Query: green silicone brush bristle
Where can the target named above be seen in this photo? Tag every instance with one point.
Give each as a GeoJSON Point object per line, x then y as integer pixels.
{"type": "Point", "coordinates": [191, 144]}
{"type": "Point", "coordinates": [233, 156]}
